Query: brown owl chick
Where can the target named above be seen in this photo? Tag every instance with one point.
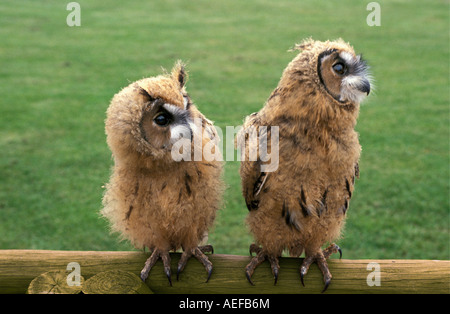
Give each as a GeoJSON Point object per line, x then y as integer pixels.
{"type": "Point", "coordinates": [160, 195]}
{"type": "Point", "coordinates": [302, 204]}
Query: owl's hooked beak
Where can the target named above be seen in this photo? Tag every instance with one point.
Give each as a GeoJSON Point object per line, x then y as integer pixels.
{"type": "Point", "coordinates": [357, 85]}
{"type": "Point", "coordinates": [364, 87]}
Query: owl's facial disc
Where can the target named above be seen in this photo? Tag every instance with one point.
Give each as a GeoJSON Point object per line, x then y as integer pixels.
{"type": "Point", "coordinates": [163, 124]}
{"type": "Point", "coordinates": [344, 76]}
{"type": "Point", "coordinates": [181, 126]}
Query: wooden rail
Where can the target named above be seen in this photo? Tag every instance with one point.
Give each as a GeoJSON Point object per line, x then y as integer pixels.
{"type": "Point", "coordinates": [19, 267]}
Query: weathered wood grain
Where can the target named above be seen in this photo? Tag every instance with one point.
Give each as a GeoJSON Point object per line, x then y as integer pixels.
{"type": "Point", "coordinates": [19, 267]}
{"type": "Point", "coordinates": [54, 282]}
{"type": "Point", "coordinates": [115, 282]}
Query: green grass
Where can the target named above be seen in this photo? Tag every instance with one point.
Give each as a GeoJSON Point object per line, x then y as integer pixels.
{"type": "Point", "coordinates": [56, 83]}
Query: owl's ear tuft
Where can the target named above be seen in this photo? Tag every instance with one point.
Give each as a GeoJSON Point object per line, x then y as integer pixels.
{"type": "Point", "coordinates": [305, 44]}
{"type": "Point", "coordinates": [179, 73]}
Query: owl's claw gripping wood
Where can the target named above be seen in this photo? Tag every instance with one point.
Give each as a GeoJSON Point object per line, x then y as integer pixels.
{"type": "Point", "coordinates": [156, 254]}
{"type": "Point", "coordinates": [260, 257]}
{"type": "Point", "coordinates": [321, 259]}
{"type": "Point", "coordinates": [199, 254]}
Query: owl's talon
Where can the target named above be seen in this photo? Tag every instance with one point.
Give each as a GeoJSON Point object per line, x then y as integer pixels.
{"type": "Point", "coordinates": [180, 269]}
{"type": "Point", "coordinates": [327, 283]}
{"type": "Point", "coordinates": [257, 260]}
{"type": "Point", "coordinates": [249, 277]}
{"type": "Point", "coordinates": [275, 276]}
{"type": "Point", "coordinates": [333, 248]}
{"type": "Point", "coordinates": [199, 255]}
{"type": "Point", "coordinates": [183, 260]}
{"type": "Point", "coordinates": [326, 273]}
{"type": "Point", "coordinates": [209, 273]}
{"type": "Point", "coordinates": [166, 262]}
{"type": "Point", "coordinates": [151, 261]}
{"type": "Point", "coordinates": [321, 259]}
{"type": "Point", "coordinates": [301, 278]}
{"type": "Point", "coordinates": [169, 276]}
{"type": "Point", "coordinates": [305, 267]}
{"type": "Point", "coordinates": [198, 252]}
{"type": "Point", "coordinates": [275, 267]}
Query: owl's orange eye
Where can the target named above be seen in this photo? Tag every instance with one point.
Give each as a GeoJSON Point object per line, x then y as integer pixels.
{"type": "Point", "coordinates": [339, 68]}
{"type": "Point", "coordinates": [163, 119]}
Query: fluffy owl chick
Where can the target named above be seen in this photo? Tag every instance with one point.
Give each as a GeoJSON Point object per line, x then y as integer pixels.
{"type": "Point", "coordinates": [302, 204]}
{"type": "Point", "coordinates": [157, 198]}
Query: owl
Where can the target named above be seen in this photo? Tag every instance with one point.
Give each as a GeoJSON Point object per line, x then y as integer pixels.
{"type": "Point", "coordinates": [301, 205]}
{"type": "Point", "coordinates": [161, 195]}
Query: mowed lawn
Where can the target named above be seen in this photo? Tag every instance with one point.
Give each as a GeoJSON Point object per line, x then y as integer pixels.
{"type": "Point", "coordinates": [56, 82]}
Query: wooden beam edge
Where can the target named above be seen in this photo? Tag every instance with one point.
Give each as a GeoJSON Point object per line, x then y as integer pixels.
{"type": "Point", "coordinates": [19, 267]}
